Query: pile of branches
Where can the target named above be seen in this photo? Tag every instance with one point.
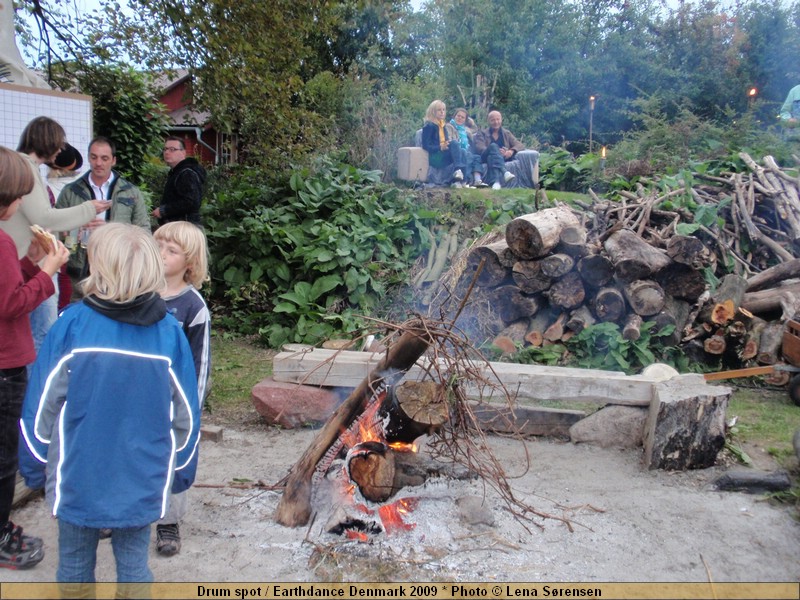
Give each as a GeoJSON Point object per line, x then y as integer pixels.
{"type": "Point", "coordinates": [716, 259]}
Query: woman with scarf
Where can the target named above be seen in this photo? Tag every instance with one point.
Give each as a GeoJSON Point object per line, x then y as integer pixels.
{"type": "Point", "coordinates": [441, 142]}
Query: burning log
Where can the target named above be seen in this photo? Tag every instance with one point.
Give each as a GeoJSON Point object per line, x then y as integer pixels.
{"type": "Point", "coordinates": [535, 235]}
{"type": "Point", "coordinates": [294, 508]}
{"type": "Point", "coordinates": [412, 409]}
{"type": "Point", "coordinates": [370, 465]}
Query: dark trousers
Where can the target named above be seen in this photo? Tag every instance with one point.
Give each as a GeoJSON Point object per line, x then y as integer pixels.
{"type": "Point", "coordinates": [12, 392]}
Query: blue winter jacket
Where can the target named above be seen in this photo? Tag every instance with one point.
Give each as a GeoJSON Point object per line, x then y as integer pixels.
{"type": "Point", "coordinates": [112, 410]}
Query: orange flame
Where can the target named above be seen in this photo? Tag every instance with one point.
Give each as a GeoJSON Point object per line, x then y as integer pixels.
{"type": "Point", "coordinates": [392, 515]}
{"type": "Point", "coordinates": [603, 152]}
{"type": "Point", "coordinates": [358, 536]}
{"type": "Point", "coordinates": [753, 91]}
{"type": "Point", "coordinates": [403, 447]}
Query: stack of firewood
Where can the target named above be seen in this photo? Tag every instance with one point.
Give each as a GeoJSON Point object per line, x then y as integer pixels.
{"type": "Point", "coordinates": [716, 259]}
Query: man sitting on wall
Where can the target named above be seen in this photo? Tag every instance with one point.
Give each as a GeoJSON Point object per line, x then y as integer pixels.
{"type": "Point", "coordinates": [508, 162]}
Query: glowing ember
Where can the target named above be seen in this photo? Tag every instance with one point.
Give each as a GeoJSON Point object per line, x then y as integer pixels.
{"type": "Point", "coordinates": [392, 515]}
{"type": "Point", "coordinates": [358, 536]}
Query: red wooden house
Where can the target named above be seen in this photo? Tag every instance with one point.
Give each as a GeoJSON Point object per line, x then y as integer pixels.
{"type": "Point", "coordinates": [201, 138]}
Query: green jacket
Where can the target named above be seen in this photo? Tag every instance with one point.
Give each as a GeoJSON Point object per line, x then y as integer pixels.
{"type": "Point", "coordinates": [127, 206]}
{"type": "Point", "coordinates": [791, 106]}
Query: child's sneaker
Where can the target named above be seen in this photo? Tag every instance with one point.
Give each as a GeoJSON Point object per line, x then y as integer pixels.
{"type": "Point", "coordinates": [496, 185]}
{"type": "Point", "coordinates": [18, 551]}
{"type": "Point", "coordinates": [168, 539]}
{"type": "Point", "coordinates": [509, 176]}
{"type": "Point", "coordinates": [458, 175]}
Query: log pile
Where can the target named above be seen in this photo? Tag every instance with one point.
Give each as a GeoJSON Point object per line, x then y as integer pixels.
{"type": "Point", "coordinates": [716, 259]}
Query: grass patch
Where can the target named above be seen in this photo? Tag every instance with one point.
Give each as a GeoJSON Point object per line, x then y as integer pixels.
{"type": "Point", "coordinates": [766, 417]}
{"type": "Point", "coordinates": [237, 364]}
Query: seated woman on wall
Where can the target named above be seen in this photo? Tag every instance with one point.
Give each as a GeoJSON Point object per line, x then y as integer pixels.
{"type": "Point", "coordinates": [463, 125]}
{"type": "Point", "coordinates": [442, 146]}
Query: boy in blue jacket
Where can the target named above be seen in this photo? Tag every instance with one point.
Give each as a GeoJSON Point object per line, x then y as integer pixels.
{"type": "Point", "coordinates": [111, 412]}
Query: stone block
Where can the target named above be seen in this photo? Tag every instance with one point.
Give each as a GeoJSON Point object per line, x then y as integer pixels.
{"type": "Point", "coordinates": [412, 164]}
{"type": "Point", "coordinates": [685, 426]}
{"type": "Point", "coordinates": [210, 433]}
{"type": "Point", "coordinates": [292, 405]}
{"type": "Point", "coordinates": [613, 426]}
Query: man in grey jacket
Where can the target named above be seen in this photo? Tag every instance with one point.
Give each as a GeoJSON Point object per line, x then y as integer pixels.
{"type": "Point", "coordinates": [101, 182]}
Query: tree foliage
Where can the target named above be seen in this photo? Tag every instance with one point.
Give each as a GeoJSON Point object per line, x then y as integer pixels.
{"type": "Point", "coordinates": [299, 77]}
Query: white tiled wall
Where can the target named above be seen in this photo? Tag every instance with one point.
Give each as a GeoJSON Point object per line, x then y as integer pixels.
{"type": "Point", "coordinates": [19, 105]}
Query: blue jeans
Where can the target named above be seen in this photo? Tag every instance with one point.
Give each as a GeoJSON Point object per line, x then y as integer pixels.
{"type": "Point", "coordinates": [43, 317]}
{"type": "Point", "coordinates": [77, 558]}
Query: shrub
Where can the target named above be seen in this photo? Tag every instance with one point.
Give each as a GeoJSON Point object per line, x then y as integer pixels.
{"type": "Point", "coordinates": [295, 259]}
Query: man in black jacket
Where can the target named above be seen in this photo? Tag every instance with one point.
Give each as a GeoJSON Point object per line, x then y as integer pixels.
{"type": "Point", "coordinates": [183, 191]}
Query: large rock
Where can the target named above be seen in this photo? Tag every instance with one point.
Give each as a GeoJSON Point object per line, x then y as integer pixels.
{"type": "Point", "coordinates": [685, 426]}
{"type": "Point", "coordinates": [291, 405]}
{"type": "Point", "coordinates": [611, 427]}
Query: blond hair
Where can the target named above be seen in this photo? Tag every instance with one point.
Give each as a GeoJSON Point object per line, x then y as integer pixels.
{"type": "Point", "coordinates": [192, 242]}
{"type": "Point", "coordinates": [430, 114]}
{"type": "Point", "coordinates": [124, 263]}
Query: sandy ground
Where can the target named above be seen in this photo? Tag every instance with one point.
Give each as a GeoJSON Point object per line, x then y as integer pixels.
{"type": "Point", "coordinates": [628, 524]}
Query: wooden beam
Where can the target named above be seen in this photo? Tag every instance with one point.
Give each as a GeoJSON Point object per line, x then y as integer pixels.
{"type": "Point", "coordinates": [346, 369]}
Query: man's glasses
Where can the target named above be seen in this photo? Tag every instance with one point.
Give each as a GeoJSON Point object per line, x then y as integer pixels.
{"type": "Point", "coordinates": [168, 149]}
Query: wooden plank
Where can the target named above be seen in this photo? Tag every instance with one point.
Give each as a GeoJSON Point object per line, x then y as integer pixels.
{"type": "Point", "coordinates": [347, 369]}
{"type": "Point", "coordinates": [528, 421]}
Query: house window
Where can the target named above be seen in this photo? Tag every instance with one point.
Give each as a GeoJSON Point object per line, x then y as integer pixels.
{"type": "Point", "coordinates": [227, 148]}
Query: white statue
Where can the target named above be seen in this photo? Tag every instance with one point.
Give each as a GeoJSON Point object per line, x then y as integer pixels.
{"type": "Point", "coordinates": [10, 57]}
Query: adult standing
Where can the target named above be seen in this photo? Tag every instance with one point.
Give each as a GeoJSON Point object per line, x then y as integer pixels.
{"type": "Point", "coordinates": [518, 166]}
{"type": "Point", "coordinates": [183, 191]}
{"type": "Point", "coordinates": [40, 142]}
{"type": "Point", "coordinates": [102, 182]}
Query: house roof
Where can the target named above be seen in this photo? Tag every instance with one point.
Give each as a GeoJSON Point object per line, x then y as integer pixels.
{"type": "Point", "coordinates": [184, 115]}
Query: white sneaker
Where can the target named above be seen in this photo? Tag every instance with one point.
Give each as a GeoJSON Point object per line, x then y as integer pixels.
{"type": "Point", "coordinates": [457, 184]}
{"type": "Point", "coordinates": [496, 185]}
{"type": "Point", "coordinates": [458, 175]}
{"type": "Point", "coordinates": [509, 176]}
